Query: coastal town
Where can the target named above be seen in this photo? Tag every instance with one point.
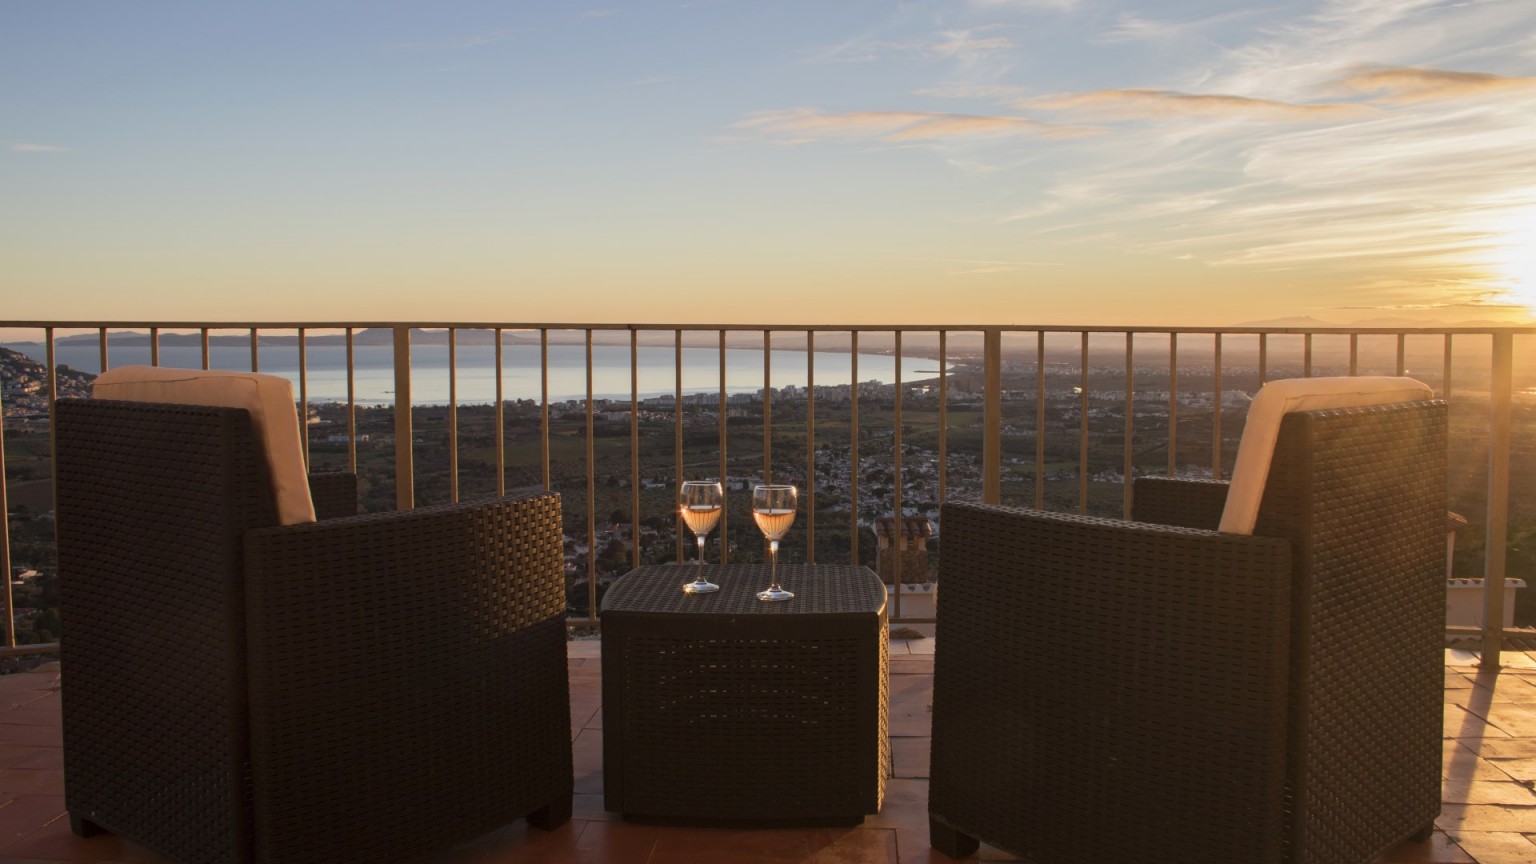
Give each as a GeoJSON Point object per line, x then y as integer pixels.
{"type": "Point", "coordinates": [1063, 439]}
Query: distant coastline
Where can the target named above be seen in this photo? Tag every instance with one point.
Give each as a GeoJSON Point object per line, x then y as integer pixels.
{"type": "Point", "coordinates": [524, 373]}
{"type": "Point", "coordinates": [835, 341]}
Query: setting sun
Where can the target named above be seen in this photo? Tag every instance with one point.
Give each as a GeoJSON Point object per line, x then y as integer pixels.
{"type": "Point", "coordinates": [1514, 260]}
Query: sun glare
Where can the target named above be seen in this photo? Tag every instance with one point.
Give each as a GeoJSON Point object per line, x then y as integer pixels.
{"type": "Point", "coordinates": [1514, 260]}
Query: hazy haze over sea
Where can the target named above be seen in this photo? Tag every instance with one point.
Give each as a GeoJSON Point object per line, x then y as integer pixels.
{"type": "Point", "coordinates": [326, 376]}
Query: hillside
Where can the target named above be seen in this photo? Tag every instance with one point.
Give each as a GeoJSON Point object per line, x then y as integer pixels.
{"type": "Point", "coordinates": [25, 384]}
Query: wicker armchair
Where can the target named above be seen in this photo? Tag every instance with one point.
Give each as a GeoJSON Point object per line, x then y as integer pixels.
{"type": "Point", "coordinates": [359, 688]}
{"type": "Point", "coordinates": [1109, 691]}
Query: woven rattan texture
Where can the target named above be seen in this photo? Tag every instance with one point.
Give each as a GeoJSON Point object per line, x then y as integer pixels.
{"type": "Point", "coordinates": [406, 672]}
{"type": "Point", "coordinates": [153, 641]}
{"type": "Point", "coordinates": [819, 589]}
{"type": "Point", "coordinates": [721, 708]}
{"type": "Point", "coordinates": [1032, 635]}
{"type": "Point", "coordinates": [1367, 516]}
{"type": "Point", "coordinates": [1177, 501]}
{"type": "Point", "coordinates": [450, 619]}
{"type": "Point", "coordinates": [1109, 693]}
{"type": "Point", "coordinates": [334, 494]}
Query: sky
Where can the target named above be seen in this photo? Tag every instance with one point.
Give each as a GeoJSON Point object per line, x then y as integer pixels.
{"type": "Point", "coordinates": [722, 161]}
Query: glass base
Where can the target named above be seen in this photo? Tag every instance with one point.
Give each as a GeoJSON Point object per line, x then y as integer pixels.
{"type": "Point", "coordinates": [774, 594]}
{"type": "Point", "coordinates": [700, 587]}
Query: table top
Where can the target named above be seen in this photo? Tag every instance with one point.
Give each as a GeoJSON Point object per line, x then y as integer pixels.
{"type": "Point", "coordinates": [818, 589]}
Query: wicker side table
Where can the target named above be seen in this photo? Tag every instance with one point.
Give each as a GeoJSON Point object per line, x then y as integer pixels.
{"type": "Point", "coordinates": [721, 709]}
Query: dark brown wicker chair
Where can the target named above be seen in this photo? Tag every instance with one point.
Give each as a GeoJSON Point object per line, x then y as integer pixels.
{"type": "Point", "coordinates": [361, 688]}
{"type": "Point", "coordinates": [1110, 691]}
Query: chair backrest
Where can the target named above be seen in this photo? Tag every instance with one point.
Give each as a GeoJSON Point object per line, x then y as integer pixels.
{"type": "Point", "coordinates": [1360, 493]}
{"type": "Point", "coordinates": [1271, 404]}
{"type": "Point", "coordinates": [154, 504]}
{"type": "Point", "coordinates": [268, 399]}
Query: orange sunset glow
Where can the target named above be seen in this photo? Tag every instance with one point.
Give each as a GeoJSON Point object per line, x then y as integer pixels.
{"type": "Point", "coordinates": [1029, 161]}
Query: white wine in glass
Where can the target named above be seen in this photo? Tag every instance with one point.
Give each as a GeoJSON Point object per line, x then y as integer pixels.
{"type": "Point", "coordinates": [773, 508]}
{"type": "Point", "coordinates": [701, 502]}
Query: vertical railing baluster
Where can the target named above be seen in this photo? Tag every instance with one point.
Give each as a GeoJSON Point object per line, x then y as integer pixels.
{"type": "Point", "coordinates": [1354, 354]}
{"type": "Point", "coordinates": [1173, 404]}
{"type": "Point", "coordinates": [1039, 419]}
{"type": "Point", "coordinates": [1402, 350]}
{"type": "Point", "coordinates": [898, 531]}
{"type": "Point", "coordinates": [52, 361]}
{"type": "Point", "coordinates": [1082, 425]}
{"type": "Point", "coordinates": [154, 347]}
{"type": "Point", "coordinates": [810, 447]}
{"type": "Point", "coordinates": [724, 408]}
{"type": "Point", "coordinates": [255, 350]}
{"type": "Point", "coordinates": [351, 403]}
{"type": "Point", "coordinates": [992, 417]}
{"type": "Point", "coordinates": [453, 414]}
{"type": "Point", "coordinates": [634, 447]}
{"type": "Point", "coordinates": [303, 400]}
{"type": "Point", "coordinates": [101, 339]}
{"type": "Point", "coordinates": [1445, 389]}
{"type": "Point", "coordinates": [943, 416]}
{"type": "Point", "coordinates": [5, 537]}
{"type": "Point", "coordinates": [1263, 358]}
{"type": "Point", "coordinates": [544, 404]}
{"type": "Point", "coordinates": [767, 407]}
{"type": "Point", "coordinates": [405, 473]}
{"type": "Point", "coordinates": [1496, 545]}
{"type": "Point", "coordinates": [591, 493]}
{"type": "Point", "coordinates": [1130, 426]}
{"type": "Point", "coordinates": [1216, 408]}
{"type": "Point", "coordinates": [1306, 353]}
{"type": "Point", "coordinates": [854, 473]}
{"type": "Point", "coordinates": [207, 354]}
{"type": "Point", "coordinates": [677, 437]}
{"type": "Point", "coordinates": [501, 416]}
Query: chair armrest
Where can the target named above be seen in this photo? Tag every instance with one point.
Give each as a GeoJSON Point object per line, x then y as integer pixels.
{"type": "Point", "coordinates": [444, 559]}
{"type": "Point", "coordinates": [415, 657]}
{"type": "Point", "coordinates": [1177, 501]}
{"type": "Point", "coordinates": [334, 494]}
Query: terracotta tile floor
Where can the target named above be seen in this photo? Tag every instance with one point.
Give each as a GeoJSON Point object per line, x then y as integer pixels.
{"type": "Point", "coordinates": [1489, 812]}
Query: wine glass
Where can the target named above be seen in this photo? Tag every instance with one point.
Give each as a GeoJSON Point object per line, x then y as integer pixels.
{"type": "Point", "coordinates": [701, 502]}
{"type": "Point", "coordinates": [773, 508]}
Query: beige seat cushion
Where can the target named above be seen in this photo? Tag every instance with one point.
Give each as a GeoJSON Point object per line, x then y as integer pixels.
{"type": "Point", "coordinates": [1278, 398]}
{"type": "Point", "coordinates": [268, 398]}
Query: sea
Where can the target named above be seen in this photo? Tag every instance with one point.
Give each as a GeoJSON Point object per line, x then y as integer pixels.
{"type": "Point", "coordinates": [325, 377]}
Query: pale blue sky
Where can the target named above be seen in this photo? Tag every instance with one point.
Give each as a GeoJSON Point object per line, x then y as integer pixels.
{"type": "Point", "coordinates": [1016, 161]}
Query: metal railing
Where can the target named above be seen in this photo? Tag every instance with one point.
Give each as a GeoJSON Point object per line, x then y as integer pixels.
{"type": "Point", "coordinates": [1002, 361]}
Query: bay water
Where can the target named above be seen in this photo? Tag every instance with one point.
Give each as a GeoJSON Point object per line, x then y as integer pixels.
{"type": "Point", "coordinates": [373, 377]}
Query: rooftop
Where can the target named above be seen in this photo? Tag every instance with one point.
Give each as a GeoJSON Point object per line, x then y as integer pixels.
{"type": "Point", "coordinates": [1488, 815]}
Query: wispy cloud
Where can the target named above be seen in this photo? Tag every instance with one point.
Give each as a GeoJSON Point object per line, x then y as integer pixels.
{"type": "Point", "coordinates": [965, 45]}
{"type": "Point", "coordinates": [1408, 84]}
{"type": "Point", "coordinates": [1169, 104]}
{"type": "Point", "coordinates": [1131, 27]}
{"type": "Point", "coordinates": [804, 125]}
{"type": "Point", "coordinates": [975, 91]}
{"type": "Point", "coordinates": [27, 147]}
{"type": "Point", "coordinates": [1401, 177]}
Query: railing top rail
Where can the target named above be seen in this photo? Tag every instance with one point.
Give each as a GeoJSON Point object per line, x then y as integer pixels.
{"type": "Point", "coordinates": [754, 328]}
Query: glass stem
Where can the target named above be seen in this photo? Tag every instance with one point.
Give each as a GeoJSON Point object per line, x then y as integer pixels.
{"type": "Point", "coordinates": [701, 553]}
{"type": "Point", "coordinates": [773, 558]}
